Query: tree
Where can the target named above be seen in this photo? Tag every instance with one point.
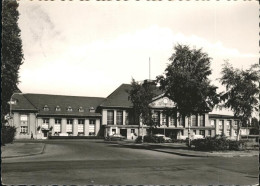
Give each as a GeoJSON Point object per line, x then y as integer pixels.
{"type": "Point", "coordinates": [186, 81]}
{"type": "Point", "coordinates": [12, 54]}
{"type": "Point", "coordinates": [141, 95]}
{"type": "Point", "coordinates": [242, 92]}
{"type": "Point", "coordinates": [255, 126]}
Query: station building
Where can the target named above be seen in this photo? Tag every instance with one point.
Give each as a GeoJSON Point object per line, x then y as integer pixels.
{"type": "Point", "coordinates": [41, 115]}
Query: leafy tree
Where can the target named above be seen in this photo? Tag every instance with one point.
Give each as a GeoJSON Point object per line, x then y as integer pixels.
{"type": "Point", "coordinates": [255, 126]}
{"type": "Point", "coordinates": [12, 54]}
{"type": "Point", "coordinates": [242, 91]}
{"type": "Point", "coordinates": [186, 81]}
{"type": "Point", "coordinates": [141, 95]}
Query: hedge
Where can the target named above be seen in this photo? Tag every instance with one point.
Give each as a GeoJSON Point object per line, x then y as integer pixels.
{"type": "Point", "coordinates": [217, 144]}
{"type": "Point", "coordinates": [7, 134]}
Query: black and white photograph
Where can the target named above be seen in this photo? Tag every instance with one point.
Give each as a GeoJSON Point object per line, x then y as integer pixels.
{"type": "Point", "coordinates": [130, 92]}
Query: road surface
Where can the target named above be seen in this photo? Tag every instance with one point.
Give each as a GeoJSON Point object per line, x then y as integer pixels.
{"type": "Point", "coordinates": [98, 162]}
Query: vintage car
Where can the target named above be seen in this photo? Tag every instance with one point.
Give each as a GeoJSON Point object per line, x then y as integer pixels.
{"type": "Point", "coordinates": [115, 137]}
{"type": "Point", "coordinates": [166, 139]}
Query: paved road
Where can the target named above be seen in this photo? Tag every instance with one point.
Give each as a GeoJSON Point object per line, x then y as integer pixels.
{"type": "Point", "coordinates": [98, 162]}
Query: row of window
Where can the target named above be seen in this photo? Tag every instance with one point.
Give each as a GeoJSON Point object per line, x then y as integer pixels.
{"type": "Point", "coordinates": [228, 126]}
{"type": "Point", "coordinates": [119, 117]}
{"type": "Point", "coordinates": [172, 121]}
{"type": "Point", "coordinates": [69, 109]}
{"type": "Point", "coordinates": [69, 121]}
{"type": "Point", "coordinates": [169, 121]}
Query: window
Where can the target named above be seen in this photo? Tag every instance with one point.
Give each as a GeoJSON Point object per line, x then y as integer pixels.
{"type": "Point", "coordinates": [213, 123]}
{"type": "Point", "coordinates": [24, 123]}
{"type": "Point", "coordinates": [45, 120]}
{"type": "Point", "coordinates": [156, 117]}
{"type": "Point", "coordinates": [209, 132]}
{"type": "Point", "coordinates": [81, 123]}
{"type": "Point", "coordinates": [57, 108]}
{"type": "Point", "coordinates": [45, 123]}
{"type": "Point", "coordinates": [164, 119]}
{"type": "Point", "coordinates": [228, 128]}
{"type": "Point", "coordinates": [127, 118]}
{"type": "Point", "coordinates": [220, 127]}
{"type": "Point", "coordinates": [69, 126]}
{"type": "Point", "coordinates": [202, 120]}
{"type": "Point", "coordinates": [69, 121]}
{"type": "Point", "coordinates": [202, 132]}
{"type": "Point", "coordinates": [119, 117]}
{"type": "Point", "coordinates": [189, 121]}
{"type": "Point", "coordinates": [57, 125]}
{"type": "Point", "coordinates": [193, 120]}
{"type": "Point", "coordinates": [46, 108]}
{"type": "Point", "coordinates": [91, 109]}
{"type": "Point", "coordinates": [24, 129]}
{"type": "Point", "coordinates": [110, 117]}
{"type": "Point", "coordinates": [69, 109]}
{"type": "Point", "coordinates": [57, 121]}
{"type": "Point", "coordinates": [92, 127]}
{"type": "Point", "coordinates": [132, 131]}
{"type": "Point", "coordinates": [235, 123]}
{"type": "Point", "coordinates": [81, 109]}
{"type": "Point", "coordinates": [182, 120]}
{"type": "Point", "coordinates": [194, 132]}
{"type": "Point", "coordinates": [235, 132]}
{"type": "Point", "coordinates": [172, 121]}
{"type": "Point", "coordinates": [181, 132]}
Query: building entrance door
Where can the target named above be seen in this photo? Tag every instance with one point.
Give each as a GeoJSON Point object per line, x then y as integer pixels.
{"type": "Point", "coordinates": [123, 132]}
{"type": "Point", "coordinates": [45, 134]}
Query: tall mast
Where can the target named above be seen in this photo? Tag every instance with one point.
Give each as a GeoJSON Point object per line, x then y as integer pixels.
{"type": "Point", "coordinates": [149, 69]}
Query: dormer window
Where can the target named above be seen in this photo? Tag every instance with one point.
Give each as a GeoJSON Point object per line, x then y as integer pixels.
{"type": "Point", "coordinates": [91, 109]}
{"type": "Point", "coordinates": [69, 109]}
{"type": "Point", "coordinates": [46, 108]}
{"type": "Point", "coordinates": [81, 109]}
{"type": "Point", "coordinates": [57, 108]}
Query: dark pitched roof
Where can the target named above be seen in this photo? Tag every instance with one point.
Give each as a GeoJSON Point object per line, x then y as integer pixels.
{"type": "Point", "coordinates": [221, 116]}
{"type": "Point", "coordinates": [22, 103]}
{"type": "Point", "coordinates": [120, 97]}
{"type": "Point", "coordinates": [39, 101]}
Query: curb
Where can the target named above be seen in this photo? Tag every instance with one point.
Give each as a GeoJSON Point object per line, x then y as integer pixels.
{"type": "Point", "coordinates": [32, 154]}
{"type": "Point", "coordinates": [191, 154]}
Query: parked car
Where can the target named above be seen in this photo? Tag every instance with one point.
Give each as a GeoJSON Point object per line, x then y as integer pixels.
{"type": "Point", "coordinates": [166, 139]}
{"type": "Point", "coordinates": [115, 137]}
{"type": "Point", "coordinates": [197, 137]}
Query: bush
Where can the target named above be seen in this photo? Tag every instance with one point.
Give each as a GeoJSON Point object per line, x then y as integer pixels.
{"type": "Point", "coordinates": [217, 144]}
{"type": "Point", "coordinates": [7, 134]}
{"type": "Point", "coordinates": [236, 145]}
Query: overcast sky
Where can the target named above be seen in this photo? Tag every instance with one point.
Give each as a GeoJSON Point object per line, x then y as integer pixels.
{"type": "Point", "coordinates": [89, 48]}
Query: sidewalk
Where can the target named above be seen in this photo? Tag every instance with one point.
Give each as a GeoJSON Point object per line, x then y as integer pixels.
{"type": "Point", "coordinates": [21, 149]}
{"type": "Point", "coordinates": [182, 150]}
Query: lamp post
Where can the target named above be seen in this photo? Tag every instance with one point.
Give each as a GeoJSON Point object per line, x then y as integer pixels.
{"type": "Point", "coordinates": [189, 132]}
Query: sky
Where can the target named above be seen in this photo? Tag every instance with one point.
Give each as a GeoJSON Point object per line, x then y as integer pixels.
{"type": "Point", "coordinates": [89, 48]}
